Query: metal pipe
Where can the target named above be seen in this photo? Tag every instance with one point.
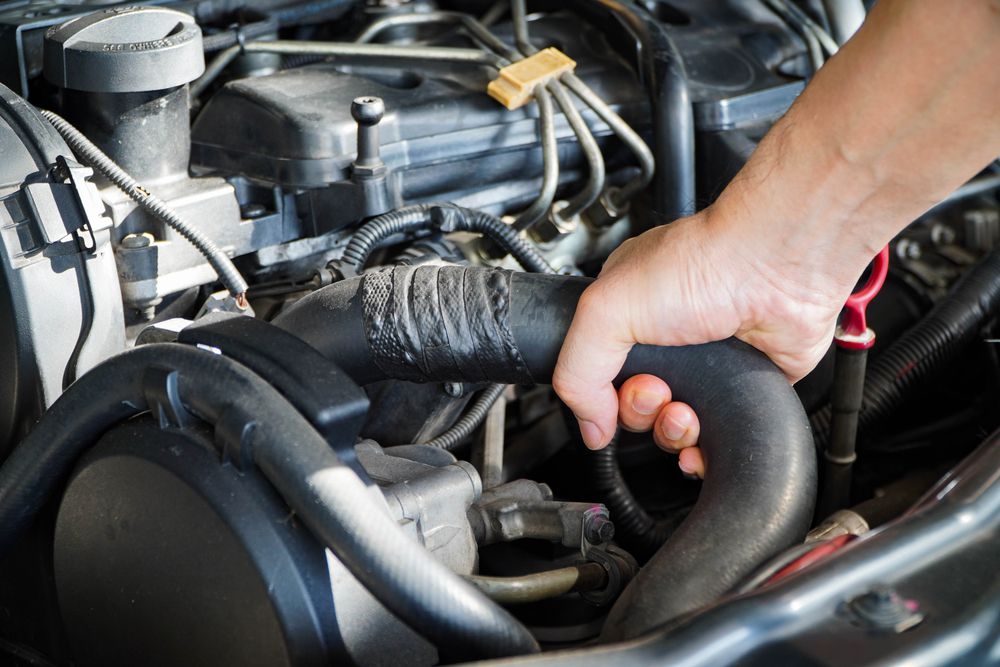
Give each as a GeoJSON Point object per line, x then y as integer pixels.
{"type": "Point", "coordinates": [345, 50]}
{"type": "Point", "coordinates": [812, 43]}
{"type": "Point", "coordinates": [550, 164]}
{"type": "Point", "coordinates": [474, 28]}
{"type": "Point", "coordinates": [541, 585]}
{"type": "Point", "coordinates": [828, 43]}
{"type": "Point", "coordinates": [624, 131]}
{"type": "Point", "coordinates": [845, 17]}
{"type": "Point", "coordinates": [595, 160]}
{"type": "Point", "coordinates": [378, 52]}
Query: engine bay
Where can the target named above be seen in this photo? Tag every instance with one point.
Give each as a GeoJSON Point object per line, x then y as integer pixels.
{"type": "Point", "coordinates": [284, 286]}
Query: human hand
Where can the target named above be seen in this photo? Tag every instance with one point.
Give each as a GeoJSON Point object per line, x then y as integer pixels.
{"type": "Point", "coordinates": [694, 281]}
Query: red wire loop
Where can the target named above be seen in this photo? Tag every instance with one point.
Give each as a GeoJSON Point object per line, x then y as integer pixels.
{"type": "Point", "coordinates": [853, 330]}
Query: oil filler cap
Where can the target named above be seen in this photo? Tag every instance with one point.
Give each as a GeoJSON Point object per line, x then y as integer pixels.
{"type": "Point", "coordinates": [125, 50]}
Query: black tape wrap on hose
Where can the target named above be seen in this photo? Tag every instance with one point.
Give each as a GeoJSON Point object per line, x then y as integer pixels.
{"type": "Point", "coordinates": [326, 495]}
{"type": "Point", "coordinates": [479, 324]}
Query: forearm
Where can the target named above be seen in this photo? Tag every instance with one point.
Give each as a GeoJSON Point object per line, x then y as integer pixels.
{"type": "Point", "coordinates": [906, 112]}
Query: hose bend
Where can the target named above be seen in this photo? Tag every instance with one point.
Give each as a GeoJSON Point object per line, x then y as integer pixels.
{"type": "Point", "coordinates": [445, 218]}
{"type": "Point", "coordinates": [324, 493]}
{"type": "Point", "coordinates": [449, 323]}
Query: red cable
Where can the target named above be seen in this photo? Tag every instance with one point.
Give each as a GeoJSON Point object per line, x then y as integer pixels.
{"type": "Point", "coordinates": [819, 553]}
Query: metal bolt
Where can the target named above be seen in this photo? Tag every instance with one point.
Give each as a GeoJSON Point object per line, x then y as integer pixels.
{"type": "Point", "coordinates": [598, 528]}
{"type": "Point", "coordinates": [136, 241]}
{"type": "Point", "coordinates": [882, 608]}
{"type": "Point", "coordinates": [454, 389]}
{"type": "Point", "coordinates": [367, 113]}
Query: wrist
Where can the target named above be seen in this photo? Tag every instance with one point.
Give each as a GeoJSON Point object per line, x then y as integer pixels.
{"type": "Point", "coordinates": [801, 212]}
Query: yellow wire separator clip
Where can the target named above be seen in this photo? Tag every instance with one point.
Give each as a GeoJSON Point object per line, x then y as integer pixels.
{"type": "Point", "coordinates": [516, 83]}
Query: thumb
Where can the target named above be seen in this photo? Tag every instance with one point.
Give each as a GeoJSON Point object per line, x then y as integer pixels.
{"type": "Point", "coordinates": [591, 357]}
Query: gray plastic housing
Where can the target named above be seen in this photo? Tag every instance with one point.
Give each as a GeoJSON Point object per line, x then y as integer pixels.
{"type": "Point", "coordinates": [125, 50]}
{"type": "Point", "coordinates": [60, 305]}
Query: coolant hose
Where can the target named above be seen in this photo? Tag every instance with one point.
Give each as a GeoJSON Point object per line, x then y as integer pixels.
{"type": "Point", "coordinates": [326, 495]}
{"type": "Point", "coordinates": [926, 348]}
{"type": "Point", "coordinates": [451, 323]}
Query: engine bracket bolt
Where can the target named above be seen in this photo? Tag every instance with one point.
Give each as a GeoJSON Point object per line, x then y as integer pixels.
{"type": "Point", "coordinates": [883, 609]}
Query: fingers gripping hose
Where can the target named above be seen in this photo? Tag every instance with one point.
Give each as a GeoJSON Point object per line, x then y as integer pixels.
{"type": "Point", "coordinates": [93, 156]}
{"type": "Point", "coordinates": [452, 323]}
{"type": "Point", "coordinates": [324, 493]}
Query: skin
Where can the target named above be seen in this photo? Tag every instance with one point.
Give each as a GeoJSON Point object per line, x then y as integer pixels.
{"type": "Point", "coordinates": [905, 113]}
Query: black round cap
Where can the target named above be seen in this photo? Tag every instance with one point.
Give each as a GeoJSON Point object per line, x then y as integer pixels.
{"type": "Point", "coordinates": [125, 50]}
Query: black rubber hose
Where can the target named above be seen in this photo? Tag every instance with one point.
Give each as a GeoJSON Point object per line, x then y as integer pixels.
{"type": "Point", "coordinates": [445, 218]}
{"type": "Point", "coordinates": [662, 69]}
{"type": "Point", "coordinates": [324, 493]}
{"type": "Point", "coordinates": [925, 349]}
{"type": "Point", "coordinates": [449, 323]}
{"type": "Point", "coordinates": [637, 531]}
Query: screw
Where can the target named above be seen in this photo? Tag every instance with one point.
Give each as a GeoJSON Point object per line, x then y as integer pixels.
{"type": "Point", "coordinates": [454, 389]}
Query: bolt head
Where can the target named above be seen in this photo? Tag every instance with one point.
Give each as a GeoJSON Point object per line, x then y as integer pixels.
{"type": "Point", "coordinates": [136, 241]}
{"type": "Point", "coordinates": [367, 110]}
{"type": "Point", "coordinates": [598, 529]}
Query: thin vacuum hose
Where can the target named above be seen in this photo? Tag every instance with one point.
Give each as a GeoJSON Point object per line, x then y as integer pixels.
{"type": "Point", "coordinates": [634, 527]}
{"type": "Point", "coordinates": [470, 421]}
{"type": "Point", "coordinates": [95, 157]}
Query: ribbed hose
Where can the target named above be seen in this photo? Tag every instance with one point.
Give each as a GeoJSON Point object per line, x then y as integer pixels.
{"type": "Point", "coordinates": [470, 421]}
{"type": "Point", "coordinates": [926, 348]}
{"type": "Point", "coordinates": [445, 218]}
{"type": "Point", "coordinates": [326, 495]}
{"type": "Point", "coordinates": [367, 237]}
{"type": "Point", "coordinates": [634, 527]}
{"type": "Point", "coordinates": [95, 157]}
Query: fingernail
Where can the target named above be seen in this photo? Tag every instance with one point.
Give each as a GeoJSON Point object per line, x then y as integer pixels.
{"type": "Point", "coordinates": [672, 429]}
{"type": "Point", "coordinates": [593, 437]}
{"type": "Point", "coordinates": [646, 402]}
{"type": "Point", "coordinates": [687, 470]}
